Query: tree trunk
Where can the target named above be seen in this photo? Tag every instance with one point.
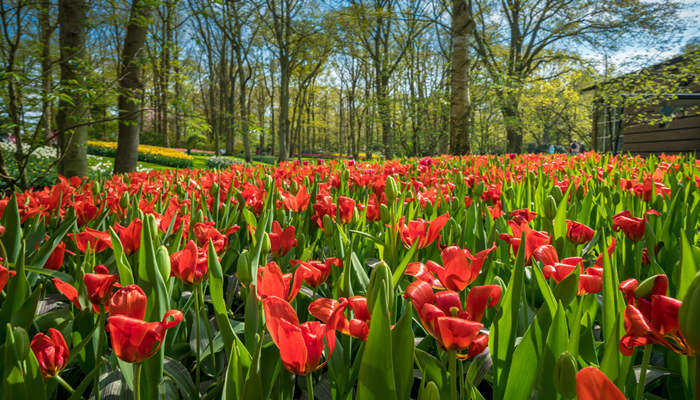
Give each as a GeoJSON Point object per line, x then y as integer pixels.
{"type": "Point", "coordinates": [382, 84]}
{"type": "Point", "coordinates": [460, 107]}
{"type": "Point", "coordinates": [45, 43]}
{"type": "Point", "coordinates": [72, 19]}
{"type": "Point", "coordinates": [512, 122]}
{"type": "Point", "coordinates": [284, 107]}
{"type": "Point", "coordinates": [130, 86]}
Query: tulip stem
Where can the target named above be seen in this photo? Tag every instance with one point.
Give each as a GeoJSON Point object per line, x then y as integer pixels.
{"type": "Point", "coordinates": [697, 377]}
{"type": "Point", "coordinates": [64, 384]}
{"type": "Point", "coordinates": [137, 381]}
{"type": "Point", "coordinates": [452, 355]}
{"type": "Point", "coordinates": [197, 334]}
{"type": "Point", "coordinates": [643, 372]}
{"type": "Point", "coordinates": [100, 346]}
{"type": "Point", "coordinates": [210, 336]}
{"type": "Point", "coordinates": [310, 385]}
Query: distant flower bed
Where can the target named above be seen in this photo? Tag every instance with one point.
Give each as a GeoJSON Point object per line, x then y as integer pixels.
{"type": "Point", "coordinates": [220, 162]}
{"type": "Point", "coordinates": [154, 154]}
{"type": "Point", "coordinates": [39, 167]}
{"type": "Point", "coordinates": [197, 151]}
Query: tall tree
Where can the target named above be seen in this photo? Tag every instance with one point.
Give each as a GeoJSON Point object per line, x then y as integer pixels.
{"type": "Point", "coordinates": [130, 85]}
{"type": "Point", "coordinates": [516, 38]}
{"type": "Point", "coordinates": [460, 104]}
{"type": "Point", "coordinates": [72, 19]}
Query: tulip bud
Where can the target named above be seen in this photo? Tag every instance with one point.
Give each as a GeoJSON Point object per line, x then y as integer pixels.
{"type": "Point", "coordinates": [294, 187]}
{"type": "Point", "coordinates": [266, 244]}
{"type": "Point", "coordinates": [163, 262]}
{"type": "Point", "coordinates": [550, 207]}
{"type": "Point", "coordinates": [327, 224]}
{"type": "Point", "coordinates": [479, 189]}
{"type": "Point", "coordinates": [509, 193]}
{"type": "Point", "coordinates": [384, 214]}
{"type": "Point", "coordinates": [243, 268]}
{"type": "Point", "coordinates": [183, 209]}
{"type": "Point", "coordinates": [214, 189]}
{"type": "Point", "coordinates": [565, 371]}
{"type": "Point", "coordinates": [391, 189]}
{"type": "Point", "coordinates": [428, 208]}
{"type": "Point", "coordinates": [198, 217]}
{"type": "Point", "coordinates": [380, 279]}
{"type": "Point", "coordinates": [268, 180]}
{"type": "Point", "coordinates": [689, 315]}
{"type": "Point", "coordinates": [557, 194]}
{"type": "Point", "coordinates": [124, 200]}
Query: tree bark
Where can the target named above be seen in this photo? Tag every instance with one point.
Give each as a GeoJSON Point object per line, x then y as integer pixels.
{"type": "Point", "coordinates": [72, 19]}
{"type": "Point", "coordinates": [130, 86]}
{"type": "Point", "coordinates": [45, 43]}
{"type": "Point", "coordinates": [284, 107]}
{"type": "Point", "coordinates": [460, 105]}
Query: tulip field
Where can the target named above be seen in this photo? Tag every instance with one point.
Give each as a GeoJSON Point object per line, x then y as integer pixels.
{"type": "Point", "coordinates": [475, 277]}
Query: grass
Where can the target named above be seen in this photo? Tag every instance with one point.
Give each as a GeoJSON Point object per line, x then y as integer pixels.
{"type": "Point", "coordinates": [199, 162]}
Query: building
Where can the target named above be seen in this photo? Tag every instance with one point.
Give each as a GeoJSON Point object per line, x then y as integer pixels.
{"type": "Point", "coordinates": [651, 111]}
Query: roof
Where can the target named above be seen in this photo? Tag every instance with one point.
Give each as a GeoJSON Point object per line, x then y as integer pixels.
{"type": "Point", "coordinates": [652, 68]}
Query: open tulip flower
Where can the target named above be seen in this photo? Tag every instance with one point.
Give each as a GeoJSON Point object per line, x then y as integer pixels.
{"type": "Point", "coordinates": [425, 232]}
{"type": "Point", "coordinates": [189, 264]}
{"type": "Point", "coordinates": [346, 209]}
{"type": "Point", "coordinates": [444, 318]}
{"type": "Point", "coordinates": [301, 346]}
{"type": "Point", "coordinates": [204, 231]}
{"type": "Point", "coordinates": [298, 202]}
{"type": "Point", "coordinates": [99, 284]}
{"type": "Point", "coordinates": [460, 268]}
{"type": "Point", "coordinates": [534, 240]}
{"type": "Point", "coordinates": [590, 281]}
{"type": "Point", "coordinates": [130, 236]}
{"type": "Point", "coordinates": [130, 301]}
{"type": "Point", "coordinates": [271, 282]}
{"type": "Point", "coordinates": [51, 352]}
{"type": "Point", "coordinates": [578, 233]}
{"type": "Point", "coordinates": [315, 273]}
{"type": "Point", "coordinates": [135, 340]}
{"type": "Point", "coordinates": [651, 316]}
{"type": "Point", "coordinates": [632, 227]}
{"type": "Point", "coordinates": [332, 312]}
{"type": "Point", "coordinates": [281, 241]}
{"type": "Point", "coordinates": [98, 241]}
{"type": "Point", "coordinates": [592, 384]}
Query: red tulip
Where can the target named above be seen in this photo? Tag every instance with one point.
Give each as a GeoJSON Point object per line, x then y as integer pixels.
{"type": "Point", "coordinates": [204, 231]}
{"type": "Point", "coordinates": [422, 272]}
{"type": "Point", "coordinates": [589, 282]}
{"type": "Point", "coordinates": [55, 260]}
{"type": "Point", "coordinates": [135, 340]}
{"type": "Point", "coordinates": [298, 202]}
{"type": "Point", "coordinates": [301, 345]}
{"type": "Point", "coordinates": [533, 239]}
{"type": "Point", "coordinates": [459, 267]}
{"type": "Point", "coordinates": [373, 212]}
{"type": "Point", "coordinates": [98, 240]}
{"type": "Point", "coordinates": [592, 384]}
{"type": "Point", "coordinates": [346, 207]}
{"type": "Point", "coordinates": [5, 275]}
{"type": "Point", "coordinates": [578, 233]}
{"type": "Point", "coordinates": [632, 227]}
{"type": "Point", "coordinates": [130, 236]}
{"type": "Point", "coordinates": [323, 206]}
{"type": "Point", "coordinates": [99, 284]}
{"type": "Point", "coordinates": [130, 301]}
{"type": "Point", "coordinates": [188, 265]}
{"type": "Point", "coordinates": [611, 249]}
{"type": "Point", "coordinates": [69, 291]}
{"type": "Point", "coordinates": [271, 282]}
{"type": "Point", "coordinates": [443, 318]}
{"type": "Point", "coordinates": [332, 312]}
{"type": "Point", "coordinates": [315, 272]}
{"type": "Point", "coordinates": [425, 232]}
{"type": "Point", "coordinates": [281, 241]}
{"type": "Point", "coordinates": [651, 316]}
{"type": "Point", "coordinates": [522, 216]}
{"type": "Point", "coordinates": [51, 352]}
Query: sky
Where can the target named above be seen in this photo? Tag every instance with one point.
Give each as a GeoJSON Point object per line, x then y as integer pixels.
{"type": "Point", "coordinates": [636, 56]}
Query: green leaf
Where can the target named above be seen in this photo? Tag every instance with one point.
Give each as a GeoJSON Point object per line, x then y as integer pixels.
{"type": "Point", "coordinates": [546, 291]}
{"type": "Point", "coordinates": [402, 347]}
{"type": "Point", "coordinates": [557, 340]}
{"type": "Point", "coordinates": [430, 392]}
{"type": "Point", "coordinates": [526, 359]}
{"type": "Point", "coordinates": [376, 379]}
{"type": "Point", "coordinates": [120, 259]}
{"type": "Point", "coordinates": [504, 328]}
{"type": "Point", "coordinates": [40, 256]}
{"type": "Point", "coordinates": [398, 272]}
{"type": "Point", "coordinates": [216, 291]}
{"type": "Point", "coordinates": [688, 267]}
{"type": "Point", "coordinates": [12, 239]}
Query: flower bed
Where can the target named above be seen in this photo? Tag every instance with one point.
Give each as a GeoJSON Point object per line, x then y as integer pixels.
{"type": "Point", "coordinates": [505, 277]}
{"type": "Point", "coordinates": [153, 154]}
